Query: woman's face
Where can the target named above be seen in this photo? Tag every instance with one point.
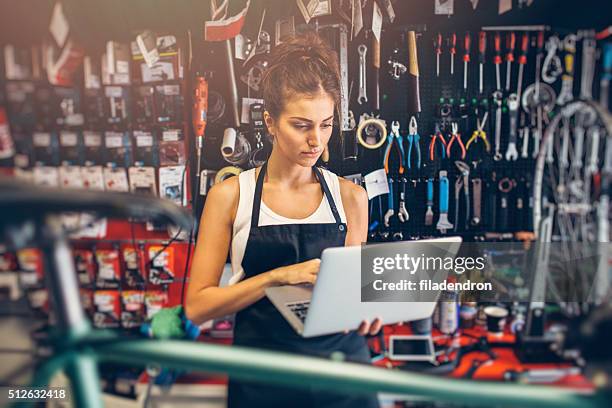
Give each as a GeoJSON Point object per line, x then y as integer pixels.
{"type": "Point", "coordinates": [303, 128]}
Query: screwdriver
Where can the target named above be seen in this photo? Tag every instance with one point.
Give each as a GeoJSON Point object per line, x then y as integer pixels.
{"type": "Point", "coordinates": [466, 58]}
{"type": "Point", "coordinates": [510, 44]}
{"type": "Point", "coordinates": [497, 60]}
{"type": "Point", "coordinates": [438, 48]}
{"type": "Point", "coordinates": [453, 51]}
{"type": "Point", "coordinates": [522, 61]}
{"type": "Point", "coordinates": [482, 48]}
{"type": "Point", "coordinates": [539, 56]}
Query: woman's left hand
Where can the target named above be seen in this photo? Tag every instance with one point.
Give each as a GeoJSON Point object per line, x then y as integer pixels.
{"type": "Point", "coordinates": [366, 327]}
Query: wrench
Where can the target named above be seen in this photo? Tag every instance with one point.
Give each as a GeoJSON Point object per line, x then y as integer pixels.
{"type": "Point", "coordinates": [477, 189]}
{"type": "Point", "coordinates": [588, 67]}
{"type": "Point", "coordinates": [513, 103]}
{"type": "Point", "coordinates": [567, 83]}
{"type": "Point", "coordinates": [443, 222]}
{"type": "Point", "coordinates": [362, 98]}
{"type": "Point", "coordinates": [525, 147]}
{"type": "Point", "coordinates": [552, 67]}
{"type": "Point", "coordinates": [497, 99]}
{"type": "Point", "coordinates": [402, 212]}
{"type": "Point", "coordinates": [390, 210]}
{"type": "Point", "coordinates": [464, 169]}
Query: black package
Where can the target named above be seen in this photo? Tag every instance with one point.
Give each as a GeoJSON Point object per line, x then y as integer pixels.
{"type": "Point", "coordinates": [92, 142]}
{"type": "Point", "coordinates": [168, 104]}
{"type": "Point", "coordinates": [143, 104]}
{"type": "Point", "coordinates": [71, 147]}
{"type": "Point", "coordinates": [146, 151]}
{"type": "Point", "coordinates": [69, 102]}
{"type": "Point", "coordinates": [116, 104]}
{"type": "Point", "coordinates": [172, 148]}
{"type": "Point", "coordinates": [46, 152]}
{"type": "Point", "coordinates": [117, 148]}
{"type": "Point", "coordinates": [93, 102]}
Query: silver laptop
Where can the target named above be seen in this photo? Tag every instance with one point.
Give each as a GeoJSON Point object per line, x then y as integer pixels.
{"type": "Point", "coordinates": [334, 304]}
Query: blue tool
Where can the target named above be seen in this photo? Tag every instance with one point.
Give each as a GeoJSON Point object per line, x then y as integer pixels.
{"type": "Point", "coordinates": [413, 139]}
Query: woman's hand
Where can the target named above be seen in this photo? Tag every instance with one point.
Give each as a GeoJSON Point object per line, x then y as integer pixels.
{"type": "Point", "coordinates": [369, 328]}
{"type": "Point", "coordinates": [303, 272]}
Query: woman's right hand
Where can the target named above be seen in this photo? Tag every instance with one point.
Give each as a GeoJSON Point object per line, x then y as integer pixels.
{"type": "Point", "coordinates": [303, 272]}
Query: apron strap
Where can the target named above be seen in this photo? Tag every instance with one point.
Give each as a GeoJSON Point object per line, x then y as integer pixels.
{"type": "Point", "coordinates": [259, 189]}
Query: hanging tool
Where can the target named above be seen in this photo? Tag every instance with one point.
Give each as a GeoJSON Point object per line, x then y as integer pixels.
{"type": "Point", "coordinates": [567, 80]}
{"type": "Point", "coordinates": [438, 50]}
{"type": "Point", "coordinates": [430, 197]}
{"type": "Point", "coordinates": [497, 59]}
{"type": "Point", "coordinates": [525, 145]}
{"type": "Point", "coordinates": [482, 50]}
{"type": "Point", "coordinates": [462, 181]}
{"type": "Point", "coordinates": [606, 76]}
{"type": "Point", "coordinates": [396, 68]}
{"type": "Point", "coordinates": [476, 203]}
{"type": "Point", "coordinates": [522, 61]}
{"type": "Point", "coordinates": [466, 58]}
{"type": "Point", "coordinates": [392, 138]}
{"type": "Point", "coordinates": [390, 206]}
{"type": "Point", "coordinates": [362, 97]}
{"type": "Point", "coordinates": [432, 144]}
{"type": "Point", "coordinates": [552, 63]}
{"type": "Point", "coordinates": [371, 126]}
{"type": "Point", "coordinates": [402, 212]}
{"type": "Point", "coordinates": [413, 104]}
{"type": "Point", "coordinates": [443, 223]}
{"type": "Point", "coordinates": [453, 51]}
{"type": "Point", "coordinates": [199, 117]}
{"type": "Point", "coordinates": [413, 139]}
{"type": "Point", "coordinates": [505, 185]}
{"type": "Point", "coordinates": [376, 64]}
{"type": "Point", "coordinates": [455, 136]}
{"type": "Point", "coordinates": [479, 133]}
{"type": "Point", "coordinates": [513, 105]}
{"type": "Point", "coordinates": [538, 67]}
{"type": "Point", "coordinates": [510, 45]}
{"type": "Point", "coordinates": [497, 99]}
{"type": "Point", "coordinates": [588, 66]}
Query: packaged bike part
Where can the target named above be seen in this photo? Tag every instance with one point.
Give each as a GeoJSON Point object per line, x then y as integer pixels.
{"type": "Point", "coordinates": [155, 300]}
{"type": "Point", "coordinates": [172, 148]}
{"type": "Point", "coordinates": [46, 149]}
{"type": "Point", "coordinates": [142, 180]}
{"type": "Point", "coordinates": [132, 275]}
{"type": "Point", "coordinates": [161, 264]}
{"type": "Point", "coordinates": [146, 151]}
{"type": "Point", "coordinates": [92, 74]}
{"type": "Point", "coordinates": [117, 103]}
{"type": "Point", "coordinates": [172, 184]}
{"type": "Point", "coordinates": [115, 179]}
{"type": "Point", "coordinates": [118, 62]}
{"type": "Point", "coordinates": [168, 104]}
{"type": "Point", "coordinates": [85, 266]}
{"type": "Point", "coordinates": [94, 105]}
{"type": "Point", "coordinates": [147, 46]}
{"type": "Point", "coordinates": [69, 101]}
{"type": "Point", "coordinates": [23, 150]}
{"type": "Point", "coordinates": [92, 141]}
{"type": "Point", "coordinates": [30, 263]}
{"type": "Point", "coordinates": [20, 62]}
{"type": "Point", "coordinates": [144, 102]}
{"type": "Point", "coordinates": [107, 308]}
{"type": "Point", "coordinates": [71, 149]}
{"type": "Point", "coordinates": [117, 148]}
{"type": "Point", "coordinates": [46, 107]}
{"type": "Point", "coordinates": [70, 176]}
{"type": "Point", "coordinates": [21, 103]}
{"type": "Point", "coordinates": [132, 313]}
{"type": "Point", "coordinates": [168, 67]}
{"type": "Point", "coordinates": [93, 178]}
{"type": "Point", "coordinates": [46, 176]}
{"type": "Point", "coordinates": [109, 268]}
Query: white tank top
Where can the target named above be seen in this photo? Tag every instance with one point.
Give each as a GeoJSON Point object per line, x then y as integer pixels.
{"type": "Point", "coordinates": [242, 223]}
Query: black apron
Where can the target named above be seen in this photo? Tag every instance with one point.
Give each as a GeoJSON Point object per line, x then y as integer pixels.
{"type": "Point", "coordinates": [261, 325]}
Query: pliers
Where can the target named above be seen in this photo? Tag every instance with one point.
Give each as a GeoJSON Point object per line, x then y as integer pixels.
{"type": "Point", "coordinates": [413, 138]}
{"type": "Point", "coordinates": [455, 136]}
{"type": "Point", "coordinates": [393, 136]}
{"type": "Point", "coordinates": [479, 133]}
{"type": "Point", "coordinates": [432, 144]}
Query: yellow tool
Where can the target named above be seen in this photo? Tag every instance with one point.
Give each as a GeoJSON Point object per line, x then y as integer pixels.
{"type": "Point", "coordinates": [479, 133]}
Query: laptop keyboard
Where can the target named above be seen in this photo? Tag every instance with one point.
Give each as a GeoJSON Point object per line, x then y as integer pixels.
{"type": "Point", "coordinates": [300, 309]}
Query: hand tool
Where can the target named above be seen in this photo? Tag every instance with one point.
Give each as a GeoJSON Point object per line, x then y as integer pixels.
{"type": "Point", "coordinates": [563, 155]}
{"type": "Point", "coordinates": [432, 144]}
{"type": "Point", "coordinates": [258, 128]}
{"type": "Point", "coordinates": [593, 136]}
{"type": "Point", "coordinates": [482, 50]}
{"type": "Point", "coordinates": [513, 103]}
{"type": "Point", "coordinates": [371, 126]}
{"type": "Point", "coordinates": [567, 80]}
{"type": "Point", "coordinates": [229, 58]}
{"type": "Point", "coordinates": [402, 212]}
{"type": "Point", "coordinates": [525, 145]}
{"type": "Point", "coordinates": [466, 58]}
{"type": "Point", "coordinates": [393, 137]}
{"type": "Point", "coordinates": [491, 203]}
{"type": "Point", "coordinates": [390, 206]}
{"type": "Point", "coordinates": [413, 103]}
{"type": "Point", "coordinates": [497, 98]}
{"type": "Point", "coordinates": [505, 185]}
{"type": "Point", "coordinates": [198, 115]}
{"type": "Point", "coordinates": [552, 63]}
{"type": "Point", "coordinates": [464, 170]}
{"type": "Point", "coordinates": [438, 50]}
{"type": "Point", "coordinates": [453, 51]}
{"type": "Point", "coordinates": [344, 116]}
{"type": "Point", "coordinates": [443, 223]}
{"type": "Point", "coordinates": [522, 61]}
{"type": "Point", "coordinates": [510, 45]}
{"type": "Point", "coordinates": [497, 59]}
{"type": "Point", "coordinates": [362, 98]}
{"type": "Point", "coordinates": [479, 133]}
{"type": "Point", "coordinates": [413, 139]}
{"type": "Point", "coordinates": [396, 68]}
{"type": "Point", "coordinates": [455, 135]}
{"type": "Point", "coordinates": [606, 76]}
{"type": "Point", "coordinates": [430, 196]}
{"type": "Point", "coordinates": [477, 191]}
{"type": "Point", "coordinates": [538, 67]}
{"type": "Point", "coordinates": [376, 64]}
{"type": "Point", "coordinates": [458, 187]}
{"type": "Point", "coordinates": [587, 69]}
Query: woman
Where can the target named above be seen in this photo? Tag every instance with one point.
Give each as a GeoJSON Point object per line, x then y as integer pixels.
{"type": "Point", "coordinates": [273, 240]}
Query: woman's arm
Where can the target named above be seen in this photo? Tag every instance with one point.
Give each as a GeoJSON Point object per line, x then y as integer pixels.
{"type": "Point", "coordinates": [205, 300]}
{"type": "Point", "coordinates": [355, 202]}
